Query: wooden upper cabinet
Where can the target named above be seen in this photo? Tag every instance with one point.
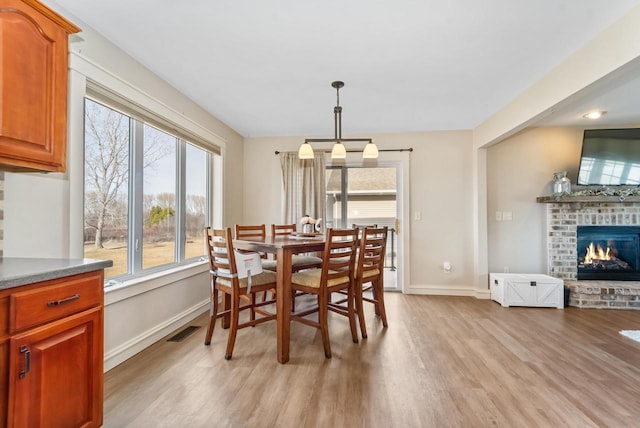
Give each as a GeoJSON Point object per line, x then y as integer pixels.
{"type": "Point", "coordinates": [33, 87]}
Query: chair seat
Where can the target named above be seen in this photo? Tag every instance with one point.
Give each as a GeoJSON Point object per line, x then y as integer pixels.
{"type": "Point", "coordinates": [265, 277]}
{"type": "Point", "coordinates": [311, 278]}
{"type": "Point", "coordinates": [298, 261]}
{"type": "Point", "coordinates": [270, 265]}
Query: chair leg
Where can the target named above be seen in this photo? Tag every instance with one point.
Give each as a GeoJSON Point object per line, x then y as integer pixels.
{"type": "Point", "coordinates": [252, 310]}
{"type": "Point", "coordinates": [233, 330]}
{"type": "Point", "coordinates": [351, 313]}
{"type": "Point", "coordinates": [323, 313]}
{"type": "Point", "coordinates": [360, 310]}
{"type": "Point", "coordinates": [213, 313]}
{"type": "Point", "coordinates": [380, 309]}
{"type": "Point", "coordinates": [293, 301]}
{"type": "Point", "coordinates": [226, 304]}
{"type": "Point", "coordinates": [376, 298]}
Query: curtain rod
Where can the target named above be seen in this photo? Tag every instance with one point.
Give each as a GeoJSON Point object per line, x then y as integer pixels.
{"type": "Point", "coordinates": [410, 149]}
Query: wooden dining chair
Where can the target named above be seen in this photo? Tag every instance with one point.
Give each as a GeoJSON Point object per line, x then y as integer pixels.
{"type": "Point", "coordinates": [336, 274]}
{"type": "Point", "coordinates": [370, 274]}
{"type": "Point", "coordinates": [298, 261]}
{"type": "Point", "coordinates": [224, 279]}
{"type": "Point", "coordinates": [256, 231]}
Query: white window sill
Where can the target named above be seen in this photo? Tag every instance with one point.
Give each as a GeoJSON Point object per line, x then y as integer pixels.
{"type": "Point", "coordinates": [135, 286]}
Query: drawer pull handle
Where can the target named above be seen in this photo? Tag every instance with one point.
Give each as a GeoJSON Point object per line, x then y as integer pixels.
{"type": "Point", "coordinates": [27, 361]}
{"type": "Point", "coordinates": [63, 301]}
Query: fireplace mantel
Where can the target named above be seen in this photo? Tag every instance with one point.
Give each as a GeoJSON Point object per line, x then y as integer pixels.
{"type": "Point", "coordinates": [586, 199]}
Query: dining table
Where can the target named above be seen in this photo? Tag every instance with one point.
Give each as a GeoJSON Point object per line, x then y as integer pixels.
{"type": "Point", "coordinates": [284, 247]}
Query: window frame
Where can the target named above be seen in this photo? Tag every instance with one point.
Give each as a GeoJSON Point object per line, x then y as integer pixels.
{"type": "Point", "coordinates": [138, 117]}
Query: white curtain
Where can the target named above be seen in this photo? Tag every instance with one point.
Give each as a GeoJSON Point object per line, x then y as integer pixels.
{"type": "Point", "coordinates": [304, 187]}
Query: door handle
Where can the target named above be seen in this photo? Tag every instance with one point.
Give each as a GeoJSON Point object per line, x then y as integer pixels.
{"type": "Point", "coordinates": [62, 301]}
{"type": "Point", "coordinates": [27, 361]}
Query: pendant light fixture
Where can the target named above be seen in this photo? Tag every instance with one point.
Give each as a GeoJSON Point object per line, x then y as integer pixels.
{"type": "Point", "coordinates": [338, 151]}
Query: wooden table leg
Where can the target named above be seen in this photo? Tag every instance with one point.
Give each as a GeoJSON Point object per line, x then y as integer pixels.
{"type": "Point", "coordinates": [283, 303]}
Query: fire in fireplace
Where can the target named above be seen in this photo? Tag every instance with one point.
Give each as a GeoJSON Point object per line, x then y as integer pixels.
{"type": "Point", "coordinates": [608, 252]}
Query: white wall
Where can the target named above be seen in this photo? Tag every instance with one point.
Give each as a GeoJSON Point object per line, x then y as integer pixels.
{"type": "Point", "coordinates": [440, 187]}
{"type": "Point", "coordinates": [571, 80]}
{"type": "Point", "coordinates": [43, 212]}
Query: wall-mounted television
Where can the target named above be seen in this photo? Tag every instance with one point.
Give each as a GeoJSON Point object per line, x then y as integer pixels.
{"type": "Point", "coordinates": [610, 157]}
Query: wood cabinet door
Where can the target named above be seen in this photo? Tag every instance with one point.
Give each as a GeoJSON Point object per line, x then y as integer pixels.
{"type": "Point", "coordinates": [4, 371]}
{"type": "Point", "coordinates": [56, 373]}
{"type": "Point", "coordinates": [33, 88]}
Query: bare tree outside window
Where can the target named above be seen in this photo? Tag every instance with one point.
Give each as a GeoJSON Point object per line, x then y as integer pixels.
{"type": "Point", "coordinates": [107, 134]}
{"type": "Point", "coordinates": [107, 147]}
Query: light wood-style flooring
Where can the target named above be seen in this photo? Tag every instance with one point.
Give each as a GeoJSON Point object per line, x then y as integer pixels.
{"type": "Point", "coordinates": [443, 362]}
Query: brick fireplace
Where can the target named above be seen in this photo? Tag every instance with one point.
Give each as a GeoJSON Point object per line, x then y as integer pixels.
{"type": "Point", "coordinates": [563, 219]}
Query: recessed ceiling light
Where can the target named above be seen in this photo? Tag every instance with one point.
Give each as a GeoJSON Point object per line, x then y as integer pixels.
{"type": "Point", "coordinates": [597, 114]}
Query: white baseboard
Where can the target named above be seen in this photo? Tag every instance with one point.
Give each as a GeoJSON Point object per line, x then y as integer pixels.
{"type": "Point", "coordinates": [443, 290]}
{"type": "Point", "coordinates": [130, 348]}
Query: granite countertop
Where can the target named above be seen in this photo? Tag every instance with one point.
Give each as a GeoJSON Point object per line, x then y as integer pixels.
{"type": "Point", "coordinates": [16, 271]}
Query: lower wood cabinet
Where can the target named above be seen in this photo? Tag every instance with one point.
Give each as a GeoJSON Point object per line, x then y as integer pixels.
{"type": "Point", "coordinates": [55, 356]}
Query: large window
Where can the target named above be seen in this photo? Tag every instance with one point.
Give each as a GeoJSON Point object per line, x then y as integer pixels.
{"type": "Point", "coordinates": [146, 198]}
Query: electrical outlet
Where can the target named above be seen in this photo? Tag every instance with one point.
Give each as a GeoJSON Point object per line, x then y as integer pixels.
{"type": "Point", "coordinates": [506, 269]}
{"type": "Point", "coordinates": [507, 216]}
{"type": "Point", "coordinates": [498, 215]}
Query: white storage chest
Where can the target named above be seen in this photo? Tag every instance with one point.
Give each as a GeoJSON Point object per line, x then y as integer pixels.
{"type": "Point", "coordinates": [537, 290]}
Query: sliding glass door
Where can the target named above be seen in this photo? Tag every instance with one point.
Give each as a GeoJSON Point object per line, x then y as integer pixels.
{"type": "Point", "coordinates": [365, 196]}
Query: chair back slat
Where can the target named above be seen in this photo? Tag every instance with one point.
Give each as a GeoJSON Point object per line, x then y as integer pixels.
{"type": "Point", "coordinates": [372, 250]}
{"type": "Point", "coordinates": [339, 254]}
{"type": "Point", "coordinates": [220, 251]}
{"type": "Point", "coordinates": [254, 231]}
{"type": "Point", "coordinates": [283, 229]}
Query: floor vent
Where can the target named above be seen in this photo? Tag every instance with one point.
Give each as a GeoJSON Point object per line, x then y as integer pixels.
{"type": "Point", "coordinates": [179, 337]}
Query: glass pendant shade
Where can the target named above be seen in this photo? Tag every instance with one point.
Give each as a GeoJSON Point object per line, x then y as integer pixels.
{"type": "Point", "coordinates": [338, 151]}
{"type": "Point", "coordinates": [370, 151]}
{"type": "Point", "coordinates": [305, 151]}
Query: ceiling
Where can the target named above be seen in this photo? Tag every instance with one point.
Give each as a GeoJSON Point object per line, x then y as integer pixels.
{"type": "Point", "coordinates": [265, 67]}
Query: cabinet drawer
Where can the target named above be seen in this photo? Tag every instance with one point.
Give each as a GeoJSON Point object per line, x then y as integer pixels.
{"type": "Point", "coordinates": [55, 299]}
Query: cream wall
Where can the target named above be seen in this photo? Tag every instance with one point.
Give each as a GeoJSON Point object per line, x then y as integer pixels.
{"type": "Point", "coordinates": [43, 212]}
{"type": "Point", "coordinates": [519, 170]}
{"type": "Point", "coordinates": [440, 187]}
